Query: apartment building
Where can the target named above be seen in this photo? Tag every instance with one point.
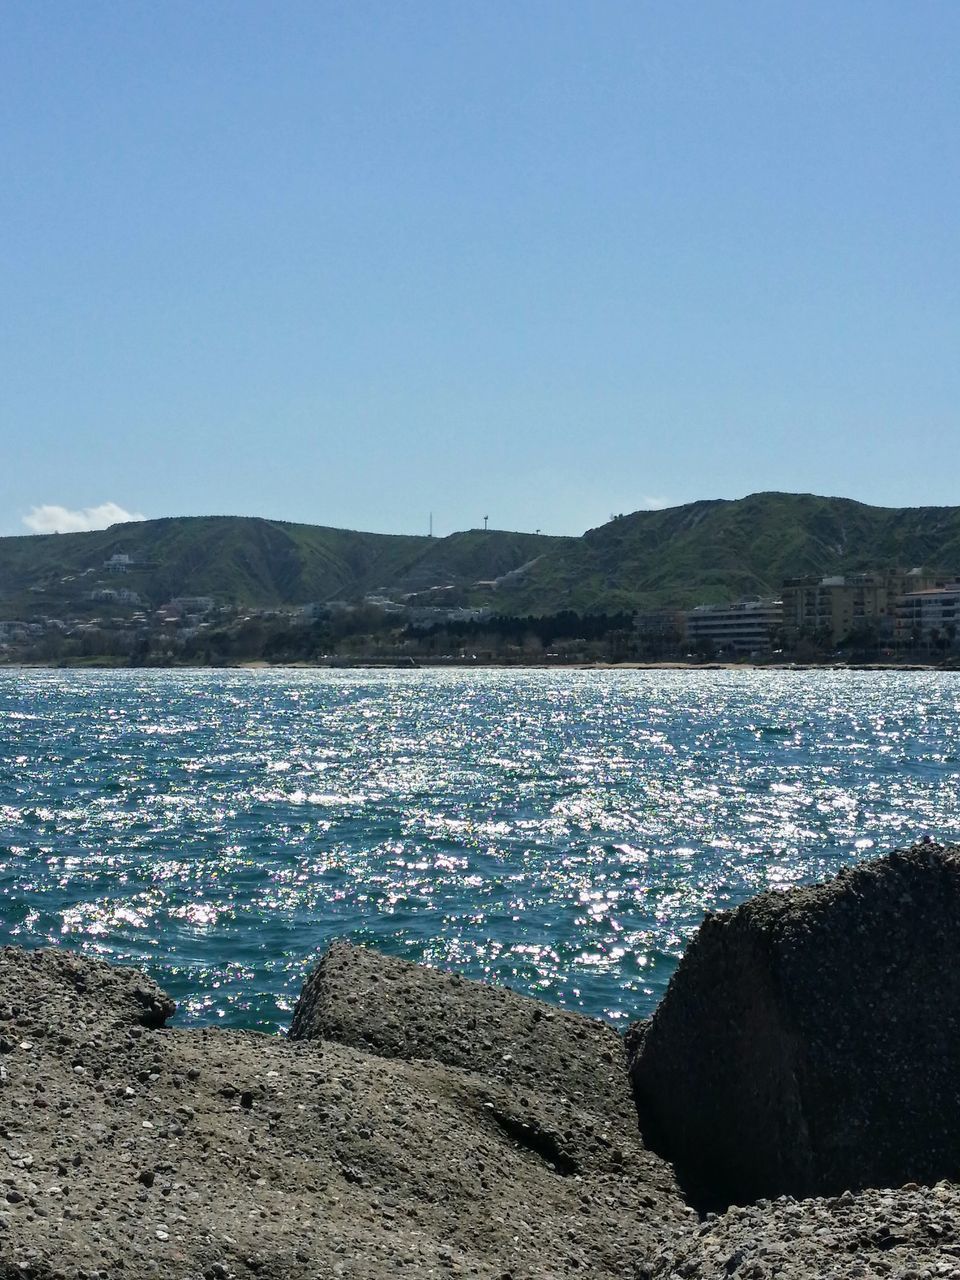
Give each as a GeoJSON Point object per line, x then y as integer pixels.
{"type": "Point", "coordinates": [745, 627]}
{"type": "Point", "coordinates": [929, 618]}
{"type": "Point", "coordinates": [832, 609]}
{"type": "Point", "coordinates": [658, 631]}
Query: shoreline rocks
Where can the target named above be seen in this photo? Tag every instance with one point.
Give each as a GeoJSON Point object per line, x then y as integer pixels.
{"type": "Point", "coordinates": [136, 1151]}
{"type": "Point", "coordinates": [911, 1233]}
{"type": "Point", "coordinates": [563, 1077]}
{"type": "Point", "coordinates": [417, 1123]}
{"type": "Point", "coordinates": [809, 1041]}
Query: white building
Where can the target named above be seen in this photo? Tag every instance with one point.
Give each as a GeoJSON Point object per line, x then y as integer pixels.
{"type": "Point", "coordinates": [929, 618]}
{"type": "Point", "coordinates": [119, 563]}
{"type": "Point", "coordinates": [747, 626]}
{"type": "Point", "coordinates": [192, 604]}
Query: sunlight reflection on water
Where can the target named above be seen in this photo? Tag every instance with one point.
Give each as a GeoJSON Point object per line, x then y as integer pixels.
{"type": "Point", "coordinates": [562, 832]}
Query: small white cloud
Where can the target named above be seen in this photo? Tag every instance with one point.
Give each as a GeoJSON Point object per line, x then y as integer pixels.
{"type": "Point", "coordinates": [653, 504]}
{"type": "Point", "coordinates": [53, 519]}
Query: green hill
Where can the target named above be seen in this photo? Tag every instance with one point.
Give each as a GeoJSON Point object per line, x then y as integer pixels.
{"type": "Point", "coordinates": [713, 551]}
{"type": "Point", "coordinates": [246, 561]}
{"type": "Point", "coordinates": [698, 553]}
{"type": "Point", "coordinates": [476, 555]}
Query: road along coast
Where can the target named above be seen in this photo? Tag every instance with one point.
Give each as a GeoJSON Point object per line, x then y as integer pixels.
{"type": "Point", "coordinates": [417, 1123]}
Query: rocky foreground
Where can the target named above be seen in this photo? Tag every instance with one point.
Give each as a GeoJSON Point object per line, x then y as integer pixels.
{"type": "Point", "coordinates": [809, 1042]}
{"type": "Point", "coordinates": [415, 1123]}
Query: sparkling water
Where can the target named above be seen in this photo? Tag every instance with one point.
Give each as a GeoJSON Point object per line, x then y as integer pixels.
{"type": "Point", "coordinates": [561, 832]}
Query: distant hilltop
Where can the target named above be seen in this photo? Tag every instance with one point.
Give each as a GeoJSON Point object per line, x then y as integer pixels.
{"type": "Point", "coordinates": [702, 552]}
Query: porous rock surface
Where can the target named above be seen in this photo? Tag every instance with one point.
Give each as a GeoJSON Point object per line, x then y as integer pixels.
{"type": "Point", "coordinates": [569, 1071]}
{"type": "Point", "coordinates": [909, 1234]}
{"type": "Point", "coordinates": [809, 1042]}
{"type": "Point", "coordinates": [130, 1150]}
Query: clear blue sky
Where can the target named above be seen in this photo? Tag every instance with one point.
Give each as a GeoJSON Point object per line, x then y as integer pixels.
{"type": "Point", "coordinates": [352, 262]}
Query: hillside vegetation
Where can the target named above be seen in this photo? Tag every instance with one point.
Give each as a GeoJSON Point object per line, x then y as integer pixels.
{"type": "Point", "coordinates": [713, 551]}
{"type": "Point", "coordinates": [248, 561]}
{"type": "Point", "coordinates": [702, 552]}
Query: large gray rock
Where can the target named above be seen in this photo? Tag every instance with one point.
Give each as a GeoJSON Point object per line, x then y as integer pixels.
{"type": "Point", "coordinates": [153, 1153]}
{"type": "Point", "coordinates": [809, 1041]}
{"type": "Point", "coordinates": [398, 1009]}
{"type": "Point", "coordinates": [563, 1077]}
{"type": "Point", "coordinates": [52, 990]}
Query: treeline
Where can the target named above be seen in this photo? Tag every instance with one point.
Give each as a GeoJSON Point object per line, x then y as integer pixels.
{"type": "Point", "coordinates": [362, 632]}
{"type": "Point", "coordinates": [547, 629]}
{"type": "Point", "coordinates": [373, 633]}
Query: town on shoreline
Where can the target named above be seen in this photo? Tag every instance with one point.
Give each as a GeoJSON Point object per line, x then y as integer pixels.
{"type": "Point", "coordinates": [887, 618]}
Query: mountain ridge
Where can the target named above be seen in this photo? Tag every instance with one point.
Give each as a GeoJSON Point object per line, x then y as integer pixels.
{"type": "Point", "coordinates": [720, 549]}
{"type": "Point", "coordinates": [705, 551]}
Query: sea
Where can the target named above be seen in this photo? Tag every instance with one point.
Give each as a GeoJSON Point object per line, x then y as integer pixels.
{"type": "Point", "coordinates": [559, 832]}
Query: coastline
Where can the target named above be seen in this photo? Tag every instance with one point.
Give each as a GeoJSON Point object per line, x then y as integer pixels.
{"type": "Point", "coordinates": [466, 664]}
